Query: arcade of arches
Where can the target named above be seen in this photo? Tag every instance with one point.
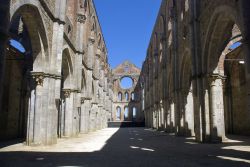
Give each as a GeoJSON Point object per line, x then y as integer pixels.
{"type": "Point", "coordinates": [194, 81]}
{"type": "Point", "coordinates": [196, 73]}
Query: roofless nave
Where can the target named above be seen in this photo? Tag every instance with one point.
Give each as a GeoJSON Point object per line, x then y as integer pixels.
{"type": "Point", "coordinates": [194, 81]}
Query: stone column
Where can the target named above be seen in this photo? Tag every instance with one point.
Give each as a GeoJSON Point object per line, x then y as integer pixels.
{"type": "Point", "coordinates": [68, 113]}
{"type": "Point", "coordinates": [87, 113]}
{"type": "Point", "coordinates": [168, 115]}
{"type": "Point", "coordinates": [76, 112]}
{"type": "Point", "coordinates": [172, 116]}
{"type": "Point", "coordinates": [217, 108]}
{"type": "Point", "coordinates": [83, 128]}
{"type": "Point", "coordinates": [34, 127]}
{"type": "Point", "coordinates": [189, 113]}
{"type": "Point", "coordinates": [93, 116]}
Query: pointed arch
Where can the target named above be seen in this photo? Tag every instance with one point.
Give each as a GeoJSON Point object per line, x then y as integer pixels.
{"type": "Point", "coordinates": [33, 23]}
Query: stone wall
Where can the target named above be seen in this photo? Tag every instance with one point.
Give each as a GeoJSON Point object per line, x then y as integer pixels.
{"type": "Point", "coordinates": [67, 88]}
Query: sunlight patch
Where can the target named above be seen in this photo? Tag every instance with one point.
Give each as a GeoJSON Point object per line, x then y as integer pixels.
{"type": "Point", "coordinates": [91, 142]}
{"type": "Point", "coordinates": [147, 149]}
{"type": "Point", "coordinates": [134, 147]}
{"type": "Point", "coordinates": [143, 149]}
{"type": "Point", "coordinates": [237, 148]}
{"type": "Point", "coordinates": [234, 159]}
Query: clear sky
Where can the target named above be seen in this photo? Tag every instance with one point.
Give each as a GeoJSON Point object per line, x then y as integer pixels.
{"type": "Point", "coordinates": [127, 26]}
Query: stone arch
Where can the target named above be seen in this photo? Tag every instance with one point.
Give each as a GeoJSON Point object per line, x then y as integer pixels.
{"type": "Point", "coordinates": [134, 112]}
{"type": "Point", "coordinates": [27, 27]}
{"type": "Point", "coordinates": [93, 26]}
{"type": "Point", "coordinates": [127, 78]}
{"type": "Point", "coordinates": [67, 69]}
{"type": "Point", "coordinates": [126, 113]}
{"type": "Point", "coordinates": [33, 22]}
{"type": "Point", "coordinates": [99, 42]}
{"type": "Point", "coordinates": [218, 38]}
{"type": "Point", "coordinates": [133, 96]}
{"type": "Point", "coordinates": [127, 96]}
{"type": "Point", "coordinates": [216, 33]}
{"type": "Point", "coordinates": [155, 40]}
{"type": "Point", "coordinates": [120, 96]}
{"type": "Point", "coordinates": [185, 71]}
{"type": "Point", "coordinates": [161, 37]}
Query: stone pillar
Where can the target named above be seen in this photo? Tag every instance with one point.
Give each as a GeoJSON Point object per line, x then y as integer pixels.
{"type": "Point", "coordinates": [68, 113]}
{"type": "Point", "coordinates": [76, 113]}
{"type": "Point", "coordinates": [93, 116]}
{"type": "Point", "coordinates": [189, 113]}
{"type": "Point", "coordinates": [34, 127]}
{"type": "Point", "coordinates": [168, 115]}
{"type": "Point", "coordinates": [87, 113]}
{"type": "Point", "coordinates": [83, 128]}
{"type": "Point", "coordinates": [217, 108]}
{"type": "Point", "coordinates": [162, 115]}
{"type": "Point", "coordinates": [172, 116]}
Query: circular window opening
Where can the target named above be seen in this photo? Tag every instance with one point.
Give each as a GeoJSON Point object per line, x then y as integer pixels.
{"type": "Point", "coordinates": [126, 82]}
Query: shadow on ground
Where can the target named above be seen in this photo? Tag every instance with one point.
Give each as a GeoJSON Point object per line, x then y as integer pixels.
{"type": "Point", "coordinates": [139, 147]}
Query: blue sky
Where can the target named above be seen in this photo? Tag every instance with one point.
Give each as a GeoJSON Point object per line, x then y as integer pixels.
{"type": "Point", "coordinates": [127, 26]}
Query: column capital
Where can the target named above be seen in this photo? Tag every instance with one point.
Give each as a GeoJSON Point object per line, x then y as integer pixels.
{"type": "Point", "coordinates": [66, 92]}
{"type": "Point", "coordinates": [38, 78]}
{"type": "Point", "coordinates": [213, 77]}
{"type": "Point", "coordinates": [82, 100]}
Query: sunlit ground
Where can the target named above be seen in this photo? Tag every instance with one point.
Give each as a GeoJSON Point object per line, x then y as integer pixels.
{"type": "Point", "coordinates": [91, 142]}
{"type": "Point", "coordinates": [130, 147]}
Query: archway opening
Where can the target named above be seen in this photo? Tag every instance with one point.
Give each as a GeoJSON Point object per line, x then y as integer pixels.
{"type": "Point", "coordinates": [126, 113]}
{"type": "Point", "coordinates": [127, 96]}
{"type": "Point", "coordinates": [134, 113]}
{"type": "Point", "coordinates": [26, 52]}
{"type": "Point", "coordinates": [120, 96]}
{"type": "Point", "coordinates": [118, 113]}
{"type": "Point", "coordinates": [126, 83]}
{"type": "Point", "coordinates": [227, 79]}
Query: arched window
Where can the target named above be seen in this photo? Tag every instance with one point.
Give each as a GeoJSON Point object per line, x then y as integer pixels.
{"type": "Point", "coordinates": [118, 113]}
{"type": "Point", "coordinates": [126, 112]}
{"type": "Point", "coordinates": [120, 96]}
{"type": "Point", "coordinates": [134, 112]}
{"type": "Point", "coordinates": [133, 96]}
{"type": "Point", "coordinates": [127, 96]}
{"type": "Point", "coordinates": [126, 83]}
